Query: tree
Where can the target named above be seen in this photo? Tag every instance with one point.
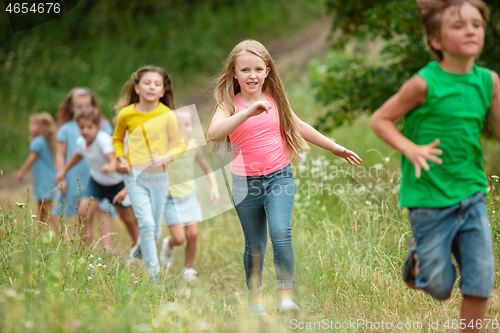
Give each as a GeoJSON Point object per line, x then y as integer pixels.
{"type": "Point", "coordinates": [364, 87]}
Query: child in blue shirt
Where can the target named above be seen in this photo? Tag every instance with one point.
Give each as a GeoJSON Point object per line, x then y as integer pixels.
{"type": "Point", "coordinates": [41, 161]}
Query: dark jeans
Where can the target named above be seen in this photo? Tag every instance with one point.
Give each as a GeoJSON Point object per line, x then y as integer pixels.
{"type": "Point", "coordinates": [262, 200]}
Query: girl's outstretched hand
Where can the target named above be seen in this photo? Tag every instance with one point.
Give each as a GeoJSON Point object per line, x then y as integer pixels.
{"type": "Point", "coordinates": [257, 108]}
{"type": "Point", "coordinates": [346, 154]}
{"type": "Point", "coordinates": [419, 155]}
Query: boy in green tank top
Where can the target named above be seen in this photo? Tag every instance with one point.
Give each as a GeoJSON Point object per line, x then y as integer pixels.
{"type": "Point", "coordinates": [444, 105]}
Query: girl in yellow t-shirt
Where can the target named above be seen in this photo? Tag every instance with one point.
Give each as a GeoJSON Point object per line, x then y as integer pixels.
{"type": "Point", "coordinates": [154, 140]}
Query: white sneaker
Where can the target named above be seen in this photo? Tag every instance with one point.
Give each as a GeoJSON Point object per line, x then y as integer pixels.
{"type": "Point", "coordinates": [166, 253]}
{"type": "Point", "coordinates": [257, 310]}
{"type": "Point", "coordinates": [288, 306]}
{"type": "Point", "coordinates": [189, 274]}
{"type": "Point", "coordinates": [135, 254]}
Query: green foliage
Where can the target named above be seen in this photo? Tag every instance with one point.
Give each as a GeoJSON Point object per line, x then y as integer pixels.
{"type": "Point", "coordinates": [364, 86]}
{"type": "Point", "coordinates": [99, 44]}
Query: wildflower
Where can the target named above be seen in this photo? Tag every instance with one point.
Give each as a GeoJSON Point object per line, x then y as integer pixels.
{"type": "Point", "coordinates": [387, 159]}
{"type": "Point", "coordinates": [98, 258]}
{"type": "Point", "coordinates": [136, 281]}
{"type": "Point", "coordinates": [33, 216]}
{"type": "Point", "coordinates": [26, 243]}
{"type": "Point", "coordinates": [91, 256]}
{"type": "Point", "coordinates": [20, 204]}
{"type": "Point", "coordinates": [88, 292]}
{"type": "Point", "coordinates": [378, 166]}
{"type": "Point", "coordinates": [496, 177]}
{"type": "Point", "coordinates": [90, 278]}
{"type": "Point", "coordinates": [368, 202]}
{"type": "Point", "coordinates": [104, 266]}
{"type": "Point", "coordinates": [99, 265]}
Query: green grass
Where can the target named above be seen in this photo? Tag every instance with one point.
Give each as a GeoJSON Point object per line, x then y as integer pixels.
{"type": "Point", "coordinates": [348, 247]}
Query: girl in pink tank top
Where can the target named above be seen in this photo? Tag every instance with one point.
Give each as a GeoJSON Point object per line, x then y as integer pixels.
{"type": "Point", "coordinates": [254, 119]}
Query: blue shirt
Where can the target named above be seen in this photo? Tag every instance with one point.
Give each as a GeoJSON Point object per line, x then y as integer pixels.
{"type": "Point", "coordinates": [69, 133]}
{"type": "Point", "coordinates": [44, 170]}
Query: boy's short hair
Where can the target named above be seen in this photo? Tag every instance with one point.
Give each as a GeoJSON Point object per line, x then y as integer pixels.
{"type": "Point", "coordinates": [432, 16]}
{"type": "Point", "coordinates": [91, 113]}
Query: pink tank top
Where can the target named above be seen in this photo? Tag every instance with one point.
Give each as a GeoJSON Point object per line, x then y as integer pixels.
{"type": "Point", "coordinates": [257, 145]}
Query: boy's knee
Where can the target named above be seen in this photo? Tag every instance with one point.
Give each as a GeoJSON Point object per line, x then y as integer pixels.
{"type": "Point", "coordinates": [439, 288]}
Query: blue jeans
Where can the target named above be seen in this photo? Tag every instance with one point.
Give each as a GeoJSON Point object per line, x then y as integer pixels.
{"type": "Point", "coordinates": [148, 195]}
{"type": "Point", "coordinates": [462, 229]}
{"type": "Point", "coordinates": [261, 199]}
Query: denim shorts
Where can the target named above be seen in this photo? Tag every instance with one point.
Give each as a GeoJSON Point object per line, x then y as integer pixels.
{"type": "Point", "coordinates": [100, 192]}
{"type": "Point", "coordinates": [462, 229]}
{"type": "Point", "coordinates": [183, 210]}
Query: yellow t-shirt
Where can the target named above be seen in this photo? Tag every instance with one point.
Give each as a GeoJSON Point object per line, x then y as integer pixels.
{"type": "Point", "coordinates": [181, 173]}
{"type": "Point", "coordinates": [155, 132]}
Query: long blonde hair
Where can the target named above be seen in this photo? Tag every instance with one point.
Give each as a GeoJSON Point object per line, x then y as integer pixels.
{"type": "Point", "coordinates": [47, 127]}
{"type": "Point", "coordinates": [228, 87]}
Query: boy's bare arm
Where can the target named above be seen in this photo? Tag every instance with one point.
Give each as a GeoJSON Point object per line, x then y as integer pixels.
{"type": "Point", "coordinates": [495, 105]}
{"type": "Point", "coordinates": [411, 95]}
{"type": "Point", "coordinates": [111, 166]}
{"type": "Point", "coordinates": [74, 160]}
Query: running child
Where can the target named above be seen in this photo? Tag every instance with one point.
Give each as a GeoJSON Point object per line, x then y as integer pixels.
{"type": "Point", "coordinates": [41, 161]}
{"type": "Point", "coordinates": [444, 105]}
{"type": "Point", "coordinates": [154, 140]}
{"type": "Point", "coordinates": [183, 211]}
{"type": "Point", "coordinates": [67, 202]}
{"type": "Point", "coordinates": [96, 147]}
{"type": "Point", "coordinates": [252, 112]}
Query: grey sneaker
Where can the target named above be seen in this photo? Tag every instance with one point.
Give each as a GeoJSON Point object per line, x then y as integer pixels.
{"type": "Point", "coordinates": [257, 310]}
{"type": "Point", "coordinates": [135, 254]}
{"type": "Point", "coordinates": [288, 306]}
{"type": "Point", "coordinates": [166, 253]}
{"type": "Point", "coordinates": [189, 274]}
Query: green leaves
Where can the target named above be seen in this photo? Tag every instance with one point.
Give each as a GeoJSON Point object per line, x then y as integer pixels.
{"type": "Point", "coordinates": [360, 84]}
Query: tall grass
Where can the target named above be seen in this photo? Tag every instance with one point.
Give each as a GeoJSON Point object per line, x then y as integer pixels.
{"type": "Point", "coordinates": [349, 247]}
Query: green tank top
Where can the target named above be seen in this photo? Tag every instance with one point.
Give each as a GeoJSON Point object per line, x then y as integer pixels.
{"type": "Point", "coordinates": [453, 112]}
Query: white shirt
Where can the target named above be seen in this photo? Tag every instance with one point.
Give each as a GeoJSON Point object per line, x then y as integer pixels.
{"type": "Point", "coordinates": [95, 155]}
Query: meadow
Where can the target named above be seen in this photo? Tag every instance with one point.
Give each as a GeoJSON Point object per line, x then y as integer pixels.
{"type": "Point", "coordinates": [350, 238]}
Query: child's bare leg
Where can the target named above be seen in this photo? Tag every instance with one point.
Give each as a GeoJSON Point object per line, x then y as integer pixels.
{"type": "Point", "coordinates": [192, 244]}
{"type": "Point", "coordinates": [473, 308]}
{"type": "Point", "coordinates": [128, 218]}
{"type": "Point", "coordinates": [85, 215]}
{"type": "Point", "coordinates": [177, 235]}
{"type": "Point", "coordinates": [285, 294]}
{"type": "Point", "coordinates": [106, 224]}
{"type": "Point", "coordinates": [44, 209]}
